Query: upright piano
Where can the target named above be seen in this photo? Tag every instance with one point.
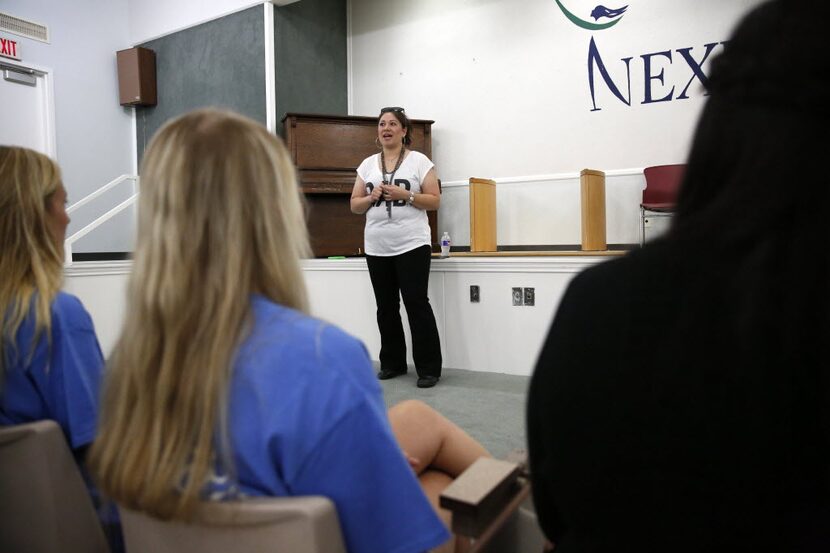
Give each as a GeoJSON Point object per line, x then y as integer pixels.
{"type": "Point", "coordinates": [327, 150]}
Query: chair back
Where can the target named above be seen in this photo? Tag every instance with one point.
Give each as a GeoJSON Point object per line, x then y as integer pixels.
{"type": "Point", "coordinates": [662, 185]}
{"type": "Point", "coordinates": [258, 525]}
{"type": "Point", "coordinates": [44, 504]}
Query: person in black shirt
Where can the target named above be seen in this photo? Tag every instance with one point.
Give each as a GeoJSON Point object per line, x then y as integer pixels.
{"type": "Point", "coordinates": [680, 402]}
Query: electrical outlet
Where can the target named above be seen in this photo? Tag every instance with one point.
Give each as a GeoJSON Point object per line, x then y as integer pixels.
{"type": "Point", "coordinates": [475, 296]}
{"type": "Point", "coordinates": [517, 296]}
{"type": "Point", "coordinates": [530, 296]}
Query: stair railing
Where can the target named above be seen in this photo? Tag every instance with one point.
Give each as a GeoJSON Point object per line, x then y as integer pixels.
{"type": "Point", "coordinates": [67, 245]}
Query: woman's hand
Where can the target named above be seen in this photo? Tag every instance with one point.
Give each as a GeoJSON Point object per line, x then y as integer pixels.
{"type": "Point", "coordinates": [414, 462]}
{"type": "Point", "coordinates": [377, 192]}
{"type": "Point", "coordinates": [392, 192]}
{"type": "Point", "coordinates": [362, 199]}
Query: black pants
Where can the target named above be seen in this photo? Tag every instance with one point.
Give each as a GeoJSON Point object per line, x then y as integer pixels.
{"type": "Point", "coordinates": [406, 274]}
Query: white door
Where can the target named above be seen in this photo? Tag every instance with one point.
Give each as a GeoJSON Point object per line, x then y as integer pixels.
{"type": "Point", "coordinates": [25, 109]}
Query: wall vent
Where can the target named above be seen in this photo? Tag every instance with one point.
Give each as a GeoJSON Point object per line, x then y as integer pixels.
{"type": "Point", "coordinates": [28, 29]}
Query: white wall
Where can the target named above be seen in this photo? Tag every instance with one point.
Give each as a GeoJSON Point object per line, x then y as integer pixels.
{"type": "Point", "coordinates": [150, 19]}
{"type": "Point", "coordinates": [490, 336]}
{"type": "Point", "coordinates": [94, 134]}
{"type": "Point", "coordinates": [102, 288]}
{"type": "Point", "coordinates": [494, 335]}
{"type": "Point", "coordinates": [545, 209]}
{"type": "Point", "coordinates": [506, 81]}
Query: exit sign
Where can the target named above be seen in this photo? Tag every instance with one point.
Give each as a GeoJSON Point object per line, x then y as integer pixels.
{"type": "Point", "coordinates": [9, 48]}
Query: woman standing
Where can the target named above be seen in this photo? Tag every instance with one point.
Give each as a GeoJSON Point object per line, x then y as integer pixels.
{"type": "Point", "coordinates": [395, 188]}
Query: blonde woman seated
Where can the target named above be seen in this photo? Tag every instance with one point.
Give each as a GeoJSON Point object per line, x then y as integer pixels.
{"type": "Point", "coordinates": [51, 365]}
{"type": "Point", "coordinates": [50, 361]}
{"type": "Point", "coordinates": [222, 386]}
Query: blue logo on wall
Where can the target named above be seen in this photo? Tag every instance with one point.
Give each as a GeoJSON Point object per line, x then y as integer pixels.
{"type": "Point", "coordinates": [654, 64]}
{"type": "Point", "coordinates": [600, 11]}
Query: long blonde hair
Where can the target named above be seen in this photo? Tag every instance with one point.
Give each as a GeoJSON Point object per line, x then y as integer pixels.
{"type": "Point", "coordinates": [31, 259]}
{"type": "Point", "coordinates": [220, 218]}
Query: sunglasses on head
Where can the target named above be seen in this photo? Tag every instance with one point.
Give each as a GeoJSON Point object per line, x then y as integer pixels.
{"type": "Point", "coordinates": [395, 109]}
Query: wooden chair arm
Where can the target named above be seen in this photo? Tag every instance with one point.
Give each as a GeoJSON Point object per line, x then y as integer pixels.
{"type": "Point", "coordinates": [483, 498]}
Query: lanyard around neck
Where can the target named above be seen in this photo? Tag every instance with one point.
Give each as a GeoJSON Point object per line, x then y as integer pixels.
{"type": "Point", "coordinates": [391, 175]}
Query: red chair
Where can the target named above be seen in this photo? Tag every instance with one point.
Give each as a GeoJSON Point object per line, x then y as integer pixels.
{"type": "Point", "coordinates": [660, 194]}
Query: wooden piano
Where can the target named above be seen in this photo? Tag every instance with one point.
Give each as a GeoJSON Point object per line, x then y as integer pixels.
{"type": "Point", "coordinates": [327, 150]}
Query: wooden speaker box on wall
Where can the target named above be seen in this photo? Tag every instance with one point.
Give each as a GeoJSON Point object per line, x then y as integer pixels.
{"type": "Point", "coordinates": [137, 77]}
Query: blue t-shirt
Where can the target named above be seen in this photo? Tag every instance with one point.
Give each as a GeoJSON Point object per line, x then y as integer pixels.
{"type": "Point", "coordinates": [58, 381]}
{"type": "Point", "coordinates": [307, 418]}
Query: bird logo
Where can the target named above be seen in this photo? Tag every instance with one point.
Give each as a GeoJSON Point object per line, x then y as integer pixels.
{"type": "Point", "coordinates": [615, 15]}
{"type": "Point", "coordinates": [602, 11]}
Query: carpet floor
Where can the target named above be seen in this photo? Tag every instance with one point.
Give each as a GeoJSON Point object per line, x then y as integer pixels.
{"type": "Point", "coordinates": [488, 406]}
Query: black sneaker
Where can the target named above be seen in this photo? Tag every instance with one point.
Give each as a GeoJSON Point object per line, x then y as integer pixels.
{"type": "Point", "coordinates": [386, 374]}
{"type": "Point", "coordinates": [427, 381]}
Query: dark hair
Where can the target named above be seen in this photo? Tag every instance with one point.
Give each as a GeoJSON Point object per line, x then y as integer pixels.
{"type": "Point", "coordinates": [763, 125]}
{"type": "Point", "coordinates": [754, 205]}
{"type": "Point", "coordinates": [400, 115]}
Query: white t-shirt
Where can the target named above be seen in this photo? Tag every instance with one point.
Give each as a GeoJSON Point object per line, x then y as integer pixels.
{"type": "Point", "coordinates": [408, 227]}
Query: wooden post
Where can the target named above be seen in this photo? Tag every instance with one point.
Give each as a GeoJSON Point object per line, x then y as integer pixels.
{"type": "Point", "coordinates": [482, 215]}
{"type": "Point", "coordinates": [592, 185]}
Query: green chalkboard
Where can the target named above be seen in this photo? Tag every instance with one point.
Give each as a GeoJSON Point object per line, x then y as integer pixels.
{"type": "Point", "coordinates": [310, 58]}
{"type": "Point", "coordinates": [220, 63]}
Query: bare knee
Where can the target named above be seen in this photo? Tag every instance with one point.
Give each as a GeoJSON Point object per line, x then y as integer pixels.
{"type": "Point", "coordinates": [415, 416]}
{"type": "Point", "coordinates": [419, 435]}
{"type": "Point", "coordinates": [410, 408]}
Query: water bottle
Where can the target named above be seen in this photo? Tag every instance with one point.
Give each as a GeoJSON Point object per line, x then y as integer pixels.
{"type": "Point", "coordinates": [445, 245]}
